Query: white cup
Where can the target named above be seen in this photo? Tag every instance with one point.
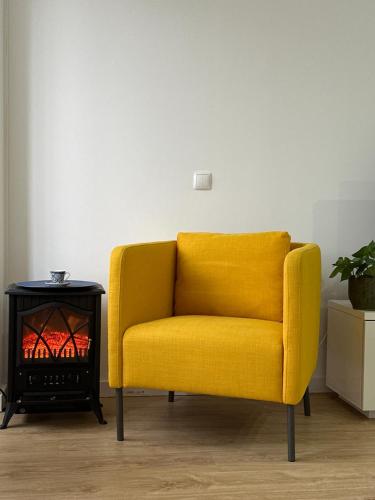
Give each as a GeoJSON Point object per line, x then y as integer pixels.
{"type": "Point", "coordinates": [59, 276]}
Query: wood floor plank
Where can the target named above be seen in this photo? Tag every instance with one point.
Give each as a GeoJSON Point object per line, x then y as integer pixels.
{"type": "Point", "coordinates": [197, 447]}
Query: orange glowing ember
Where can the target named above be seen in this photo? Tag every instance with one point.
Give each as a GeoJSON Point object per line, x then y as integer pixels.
{"type": "Point", "coordinates": [59, 343]}
{"type": "Point", "coordinates": [55, 332]}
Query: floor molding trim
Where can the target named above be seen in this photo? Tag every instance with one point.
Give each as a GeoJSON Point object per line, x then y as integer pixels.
{"type": "Point", "coordinates": [317, 385]}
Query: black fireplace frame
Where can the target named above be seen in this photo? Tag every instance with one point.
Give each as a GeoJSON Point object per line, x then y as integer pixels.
{"type": "Point", "coordinates": [36, 386]}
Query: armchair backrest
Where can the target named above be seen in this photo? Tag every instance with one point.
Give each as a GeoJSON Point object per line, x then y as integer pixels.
{"type": "Point", "coordinates": [231, 274]}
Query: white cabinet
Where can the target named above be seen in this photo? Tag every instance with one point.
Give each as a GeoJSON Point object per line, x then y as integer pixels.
{"type": "Point", "coordinates": [351, 355]}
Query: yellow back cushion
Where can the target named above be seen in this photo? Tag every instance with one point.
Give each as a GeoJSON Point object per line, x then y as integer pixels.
{"type": "Point", "coordinates": [231, 274]}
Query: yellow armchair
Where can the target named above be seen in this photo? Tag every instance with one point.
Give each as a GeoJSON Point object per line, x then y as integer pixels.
{"type": "Point", "coordinates": [226, 315]}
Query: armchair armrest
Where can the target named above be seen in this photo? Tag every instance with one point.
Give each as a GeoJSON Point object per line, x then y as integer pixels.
{"type": "Point", "coordinates": [141, 288]}
{"type": "Point", "coordinates": [301, 314]}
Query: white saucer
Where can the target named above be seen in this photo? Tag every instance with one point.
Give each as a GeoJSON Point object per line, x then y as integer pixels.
{"type": "Point", "coordinates": [57, 285]}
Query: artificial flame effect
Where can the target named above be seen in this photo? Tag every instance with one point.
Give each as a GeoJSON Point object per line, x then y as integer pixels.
{"type": "Point", "coordinates": [55, 332]}
{"type": "Point", "coordinates": [55, 341]}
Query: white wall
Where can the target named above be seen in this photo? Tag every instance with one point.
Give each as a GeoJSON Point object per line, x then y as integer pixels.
{"type": "Point", "coordinates": [3, 183]}
{"type": "Point", "coordinates": [113, 105]}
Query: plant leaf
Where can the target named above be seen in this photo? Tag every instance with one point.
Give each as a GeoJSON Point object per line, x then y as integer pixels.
{"type": "Point", "coordinates": [345, 275]}
{"type": "Point", "coordinates": [362, 263]}
{"type": "Point", "coordinates": [334, 273]}
{"type": "Point", "coordinates": [370, 271]}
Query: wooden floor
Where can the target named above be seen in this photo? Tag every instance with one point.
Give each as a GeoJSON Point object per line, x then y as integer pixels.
{"type": "Point", "coordinates": [196, 447]}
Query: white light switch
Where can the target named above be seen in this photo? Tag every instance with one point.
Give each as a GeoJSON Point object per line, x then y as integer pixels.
{"type": "Point", "coordinates": [202, 179]}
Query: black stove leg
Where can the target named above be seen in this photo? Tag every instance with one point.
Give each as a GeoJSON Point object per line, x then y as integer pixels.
{"type": "Point", "coordinates": [171, 396]}
{"type": "Point", "coordinates": [9, 412]}
{"type": "Point", "coordinates": [96, 408]}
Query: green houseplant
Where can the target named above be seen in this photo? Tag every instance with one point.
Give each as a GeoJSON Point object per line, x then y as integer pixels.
{"type": "Point", "coordinates": [360, 271]}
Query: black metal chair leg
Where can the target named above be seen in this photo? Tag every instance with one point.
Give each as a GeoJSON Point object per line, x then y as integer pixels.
{"type": "Point", "coordinates": [120, 414]}
{"type": "Point", "coordinates": [306, 402]}
{"type": "Point", "coordinates": [291, 440]}
{"type": "Point", "coordinates": [170, 396]}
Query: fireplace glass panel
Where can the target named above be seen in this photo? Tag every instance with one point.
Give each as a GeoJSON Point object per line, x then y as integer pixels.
{"type": "Point", "coordinates": [55, 333]}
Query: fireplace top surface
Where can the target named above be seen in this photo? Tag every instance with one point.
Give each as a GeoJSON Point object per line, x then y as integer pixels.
{"type": "Point", "coordinates": [40, 288]}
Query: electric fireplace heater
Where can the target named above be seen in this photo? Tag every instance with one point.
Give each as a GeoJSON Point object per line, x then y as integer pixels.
{"type": "Point", "coordinates": [53, 349]}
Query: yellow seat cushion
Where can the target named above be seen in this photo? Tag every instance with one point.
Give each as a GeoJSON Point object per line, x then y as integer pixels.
{"type": "Point", "coordinates": [237, 275]}
{"type": "Point", "coordinates": [224, 356]}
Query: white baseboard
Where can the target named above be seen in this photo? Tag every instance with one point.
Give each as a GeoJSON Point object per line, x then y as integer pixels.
{"type": "Point", "coordinates": [107, 392]}
{"type": "Point", "coordinates": [317, 384]}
